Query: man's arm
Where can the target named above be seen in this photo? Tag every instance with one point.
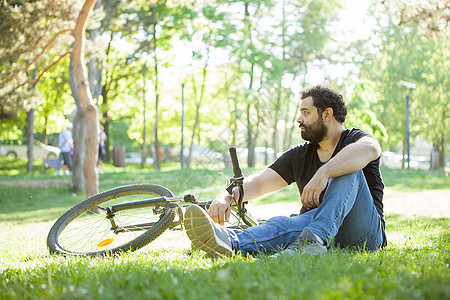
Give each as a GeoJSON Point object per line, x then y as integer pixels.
{"type": "Point", "coordinates": [254, 186]}
{"type": "Point", "coordinates": [350, 159]}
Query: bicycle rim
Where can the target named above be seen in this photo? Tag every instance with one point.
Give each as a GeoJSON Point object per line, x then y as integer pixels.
{"type": "Point", "coordinates": [86, 230]}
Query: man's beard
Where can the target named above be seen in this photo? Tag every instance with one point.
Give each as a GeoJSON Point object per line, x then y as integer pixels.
{"type": "Point", "coordinates": [314, 132]}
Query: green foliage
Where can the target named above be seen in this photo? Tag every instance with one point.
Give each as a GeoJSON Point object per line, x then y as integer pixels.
{"type": "Point", "coordinates": [29, 30]}
{"type": "Point", "coordinates": [366, 120]}
{"type": "Point", "coordinates": [403, 53]}
{"type": "Point", "coordinates": [118, 134]}
{"type": "Point", "coordinates": [254, 55]}
{"type": "Point", "coordinates": [431, 15]}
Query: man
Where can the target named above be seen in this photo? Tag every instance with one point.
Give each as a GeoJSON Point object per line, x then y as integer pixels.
{"type": "Point", "coordinates": [338, 176]}
{"type": "Point", "coordinates": [65, 145]}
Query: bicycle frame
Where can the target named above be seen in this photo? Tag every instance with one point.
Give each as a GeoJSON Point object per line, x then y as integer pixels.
{"type": "Point", "coordinates": [177, 202]}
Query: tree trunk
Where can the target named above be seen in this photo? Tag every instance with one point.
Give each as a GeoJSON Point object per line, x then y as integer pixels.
{"type": "Point", "coordinates": [106, 120]}
{"type": "Point", "coordinates": [276, 113]}
{"type": "Point", "coordinates": [30, 129]}
{"type": "Point", "coordinates": [44, 132]}
{"type": "Point", "coordinates": [94, 64]}
{"type": "Point", "coordinates": [250, 139]}
{"type": "Point", "coordinates": [30, 139]}
{"type": "Point", "coordinates": [144, 113]}
{"type": "Point", "coordinates": [234, 122]}
{"type": "Point", "coordinates": [79, 151]}
{"type": "Point", "coordinates": [404, 153]}
{"type": "Point", "coordinates": [198, 104]}
{"type": "Point", "coordinates": [78, 135]}
{"type": "Point", "coordinates": [87, 105]}
{"type": "Point", "coordinates": [156, 163]}
{"type": "Point", "coordinates": [105, 89]}
{"type": "Point", "coordinates": [442, 153]}
{"type": "Point", "coordinates": [290, 129]}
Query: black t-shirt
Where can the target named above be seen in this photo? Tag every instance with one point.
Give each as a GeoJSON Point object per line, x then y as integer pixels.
{"type": "Point", "coordinates": [300, 163]}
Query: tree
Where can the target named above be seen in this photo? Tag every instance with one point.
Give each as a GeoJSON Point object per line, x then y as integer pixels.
{"type": "Point", "coordinates": [39, 24]}
{"type": "Point", "coordinates": [80, 123]}
{"type": "Point", "coordinates": [403, 53]}
{"type": "Point", "coordinates": [433, 115]}
{"type": "Point", "coordinates": [29, 34]}
{"type": "Point", "coordinates": [430, 15]}
{"type": "Point", "coordinates": [431, 18]}
{"type": "Point", "coordinates": [153, 26]}
{"type": "Point", "coordinates": [301, 34]}
{"type": "Point", "coordinates": [87, 105]}
{"type": "Point", "coordinates": [114, 66]}
{"type": "Point", "coordinates": [53, 89]}
{"type": "Point", "coordinates": [242, 39]}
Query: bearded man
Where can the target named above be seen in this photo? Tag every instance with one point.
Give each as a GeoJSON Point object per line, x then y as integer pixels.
{"type": "Point", "coordinates": [337, 172]}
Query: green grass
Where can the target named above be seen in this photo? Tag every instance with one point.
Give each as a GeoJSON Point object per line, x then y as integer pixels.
{"type": "Point", "coordinates": [415, 180]}
{"type": "Point", "coordinates": [415, 265]}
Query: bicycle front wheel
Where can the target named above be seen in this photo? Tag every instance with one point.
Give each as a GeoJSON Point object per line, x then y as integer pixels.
{"type": "Point", "coordinates": [87, 229]}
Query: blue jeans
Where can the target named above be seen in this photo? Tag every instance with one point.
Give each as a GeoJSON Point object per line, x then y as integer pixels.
{"type": "Point", "coordinates": [347, 214]}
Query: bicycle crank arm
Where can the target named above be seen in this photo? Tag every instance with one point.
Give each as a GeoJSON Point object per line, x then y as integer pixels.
{"type": "Point", "coordinates": [137, 227]}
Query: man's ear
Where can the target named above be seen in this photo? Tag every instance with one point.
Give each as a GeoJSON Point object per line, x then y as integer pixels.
{"type": "Point", "coordinates": [327, 114]}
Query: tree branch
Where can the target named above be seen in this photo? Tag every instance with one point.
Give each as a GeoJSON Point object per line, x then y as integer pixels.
{"type": "Point", "coordinates": [34, 82]}
{"type": "Point", "coordinates": [45, 48]}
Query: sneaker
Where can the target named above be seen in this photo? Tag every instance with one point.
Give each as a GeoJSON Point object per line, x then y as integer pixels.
{"type": "Point", "coordinates": [307, 242]}
{"type": "Point", "coordinates": [205, 234]}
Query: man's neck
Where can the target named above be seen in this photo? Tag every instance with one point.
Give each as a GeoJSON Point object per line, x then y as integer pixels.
{"type": "Point", "coordinates": [328, 144]}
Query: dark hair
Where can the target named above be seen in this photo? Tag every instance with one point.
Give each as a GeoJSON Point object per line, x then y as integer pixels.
{"type": "Point", "coordinates": [324, 97]}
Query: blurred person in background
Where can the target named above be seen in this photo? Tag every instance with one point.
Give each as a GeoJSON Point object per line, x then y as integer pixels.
{"type": "Point", "coordinates": [65, 143]}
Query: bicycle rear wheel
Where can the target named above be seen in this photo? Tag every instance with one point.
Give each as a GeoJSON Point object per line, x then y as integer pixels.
{"type": "Point", "coordinates": [86, 230]}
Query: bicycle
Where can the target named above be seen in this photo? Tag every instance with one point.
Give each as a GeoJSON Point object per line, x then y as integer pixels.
{"type": "Point", "coordinates": [127, 218]}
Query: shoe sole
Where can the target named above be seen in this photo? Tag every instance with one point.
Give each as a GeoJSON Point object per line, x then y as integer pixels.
{"type": "Point", "coordinates": [202, 234]}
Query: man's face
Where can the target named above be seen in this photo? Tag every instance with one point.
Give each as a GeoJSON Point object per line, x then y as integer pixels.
{"type": "Point", "coordinates": [310, 122]}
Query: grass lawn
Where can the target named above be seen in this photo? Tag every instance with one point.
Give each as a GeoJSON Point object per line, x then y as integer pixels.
{"type": "Point", "coordinates": [415, 265]}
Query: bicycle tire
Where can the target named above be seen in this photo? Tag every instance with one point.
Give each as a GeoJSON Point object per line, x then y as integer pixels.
{"type": "Point", "coordinates": [84, 227]}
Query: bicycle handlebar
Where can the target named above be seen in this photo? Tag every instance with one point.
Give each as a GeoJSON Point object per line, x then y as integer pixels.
{"type": "Point", "coordinates": [234, 161]}
{"type": "Point", "coordinates": [237, 181]}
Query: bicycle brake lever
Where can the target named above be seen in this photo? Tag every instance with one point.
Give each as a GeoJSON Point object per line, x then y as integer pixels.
{"type": "Point", "coordinates": [234, 182]}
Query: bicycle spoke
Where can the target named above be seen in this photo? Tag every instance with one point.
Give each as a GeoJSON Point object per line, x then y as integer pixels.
{"type": "Point", "coordinates": [89, 234]}
{"type": "Point", "coordinates": [89, 230]}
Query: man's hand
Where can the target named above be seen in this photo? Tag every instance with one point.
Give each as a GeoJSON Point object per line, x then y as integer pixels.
{"type": "Point", "coordinates": [219, 210]}
{"type": "Point", "coordinates": [254, 186]}
{"type": "Point", "coordinates": [312, 191]}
